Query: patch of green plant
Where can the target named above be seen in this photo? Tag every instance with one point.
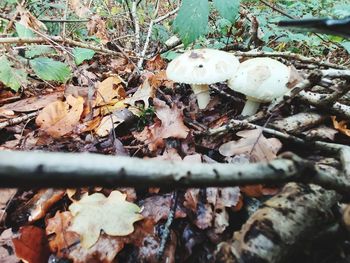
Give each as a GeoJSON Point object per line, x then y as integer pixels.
{"type": "Point", "coordinates": [145, 118]}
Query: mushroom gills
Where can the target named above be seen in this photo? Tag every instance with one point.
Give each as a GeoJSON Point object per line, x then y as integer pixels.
{"type": "Point", "coordinates": [251, 106]}
{"type": "Point", "coordinates": [202, 94]}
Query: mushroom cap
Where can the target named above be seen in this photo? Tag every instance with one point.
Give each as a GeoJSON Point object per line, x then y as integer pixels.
{"type": "Point", "coordinates": [202, 66]}
{"type": "Point", "coordinates": [261, 79]}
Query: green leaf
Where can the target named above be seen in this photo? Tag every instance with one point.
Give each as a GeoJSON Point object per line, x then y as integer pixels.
{"type": "Point", "coordinates": [49, 69]}
{"type": "Point", "coordinates": [24, 32]}
{"type": "Point", "coordinates": [11, 77]}
{"type": "Point", "coordinates": [346, 45]}
{"type": "Point", "coordinates": [81, 54]}
{"type": "Point", "coordinates": [192, 20]}
{"type": "Point", "coordinates": [227, 8]}
{"type": "Point", "coordinates": [34, 51]}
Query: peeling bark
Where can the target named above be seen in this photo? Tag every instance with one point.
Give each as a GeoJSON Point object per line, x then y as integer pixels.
{"type": "Point", "coordinates": [285, 221]}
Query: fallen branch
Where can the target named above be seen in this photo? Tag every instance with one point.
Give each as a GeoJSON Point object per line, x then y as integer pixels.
{"type": "Point", "coordinates": [289, 55]}
{"type": "Point", "coordinates": [35, 169]}
{"type": "Point", "coordinates": [17, 120]}
{"type": "Point", "coordinates": [284, 223]}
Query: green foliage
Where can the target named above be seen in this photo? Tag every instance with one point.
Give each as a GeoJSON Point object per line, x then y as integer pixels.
{"type": "Point", "coordinates": [192, 20]}
{"type": "Point", "coordinates": [145, 118]}
{"type": "Point", "coordinates": [81, 54]}
{"type": "Point", "coordinates": [49, 69]}
{"type": "Point", "coordinates": [39, 50]}
{"type": "Point", "coordinates": [10, 76]}
{"type": "Point", "coordinates": [227, 8]}
{"type": "Point", "coordinates": [23, 31]}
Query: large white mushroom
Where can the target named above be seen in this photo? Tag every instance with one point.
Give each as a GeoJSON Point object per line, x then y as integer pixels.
{"type": "Point", "coordinates": [201, 67]}
{"type": "Point", "coordinates": [262, 80]}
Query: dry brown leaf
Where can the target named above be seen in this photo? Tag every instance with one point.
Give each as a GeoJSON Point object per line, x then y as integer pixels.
{"type": "Point", "coordinates": [341, 126]}
{"type": "Point", "coordinates": [172, 120]}
{"type": "Point", "coordinates": [158, 207]}
{"type": "Point", "coordinates": [79, 8]}
{"type": "Point", "coordinates": [143, 93]}
{"type": "Point", "coordinates": [66, 243]}
{"type": "Point", "coordinates": [160, 79]}
{"type": "Point", "coordinates": [60, 118]}
{"type": "Point", "coordinates": [95, 212]}
{"type": "Point", "coordinates": [32, 245]}
{"type": "Point", "coordinates": [151, 136]}
{"type": "Point", "coordinates": [155, 63]}
{"type": "Point", "coordinates": [7, 248]}
{"type": "Point", "coordinates": [108, 89]}
{"type": "Point", "coordinates": [41, 202]}
{"type": "Point", "coordinates": [253, 143]}
{"type": "Point", "coordinates": [30, 21]}
{"type": "Point", "coordinates": [33, 103]}
{"type": "Point", "coordinates": [97, 27]}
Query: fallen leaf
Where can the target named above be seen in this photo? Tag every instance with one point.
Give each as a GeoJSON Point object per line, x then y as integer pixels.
{"type": "Point", "coordinates": [95, 212]}
{"type": "Point", "coordinates": [30, 21]}
{"type": "Point", "coordinates": [108, 89]}
{"type": "Point", "coordinates": [160, 79]}
{"type": "Point", "coordinates": [159, 207]}
{"type": "Point", "coordinates": [79, 8]}
{"type": "Point", "coordinates": [253, 143]}
{"type": "Point", "coordinates": [66, 243]}
{"type": "Point", "coordinates": [7, 248]}
{"type": "Point", "coordinates": [112, 121]}
{"type": "Point", "coordinates": [155, 63]}
{"type": "Point", "coordinates": [96, 26]}
{"type": "Point", "coordinates": [41, 202]}
{"type": "Point", "coordinates": [151, 136]}
{"type": "Point", "coordinates": [143, 93]}
{"type": "Point", "coordinates": [33, 103]}
{"type": "Point", "coordinates": [172, 120]}
{"type": "Point", "coordinates": [32, 245]}
{"type": "Point", "coordinates": [6, 195]}
{"type": "Point", "coordinates": [60, 118]}
{"type": "Point", "coordinates": [341, 126]}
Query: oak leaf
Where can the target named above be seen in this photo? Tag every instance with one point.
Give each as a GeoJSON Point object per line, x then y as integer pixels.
{"type": "Point", "coordinates": [253, 142]}
{"type": "Point", "coordinates": [108, 89]}
{"type": "Point", "coordinates": [95, 212]}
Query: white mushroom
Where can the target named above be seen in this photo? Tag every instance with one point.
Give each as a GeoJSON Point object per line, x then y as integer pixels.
{"type": "Point", "coordinates": [262, 80]}
{"type": "Point", "coordinates": [201, 67]}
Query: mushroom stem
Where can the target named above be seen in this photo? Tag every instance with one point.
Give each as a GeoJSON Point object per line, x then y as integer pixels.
{"type": "Point", "coordinates": [202, 93]}
{"type": "Point", "coordinates": [250, 107]}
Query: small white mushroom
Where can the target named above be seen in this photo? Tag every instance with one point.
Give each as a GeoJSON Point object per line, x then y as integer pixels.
{"type": "Point", "coordinates": [201, 67]}
{"type": "Point", "coordinates": [262, 80]}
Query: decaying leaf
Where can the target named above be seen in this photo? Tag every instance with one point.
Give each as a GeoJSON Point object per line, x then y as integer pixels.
{"type": "Point", "coordinates": [95, 212]}
{"type": "Point", "coordinates": [253, 143]}
{"type": "Point", "coordinates": [7, 248]}
{"type": "Point", "coordinates": [32, 246]}
{"type": "Point", "coordinates": [108, 89]}
{"type": "Point", "coordinates": [155, 63]}
{"type": "Point", "coordinates": [341, 126]}
{"type": "Point", "coordinates": [42, 202]}
{"type": "Point", "coordinates": [96, 25]}
{"type": "Point", "coordinates": [172, 120]}
{"type": "Point", "coordinates": [60, 118]}
{"type": "Point", "coordinates": [79, 8]}
{"type": "Point", "coordinates": [33, 103]}
{"type": "Point", "coordinates": [151, 136]}
{"type": "Point", "coordinates": [6, 194]}
{"type": "Point", "coordinates": [143, 93]}
{"type": "Point", "coordinates": [158, 207]}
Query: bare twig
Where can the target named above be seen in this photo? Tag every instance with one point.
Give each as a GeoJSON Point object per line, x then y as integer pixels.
{"type": "Point", "coordinates": [136, 24]}
{"type": "Point", "coordinates": [289, 55]}
{"type": "Point", "coordinates": [17, 120]}
{"type": "Point", "coordinates": [149, 33]}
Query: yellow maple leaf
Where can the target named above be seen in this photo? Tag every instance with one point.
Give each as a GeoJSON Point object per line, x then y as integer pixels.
{"type": "Point", "coordinates": [95, 212]}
